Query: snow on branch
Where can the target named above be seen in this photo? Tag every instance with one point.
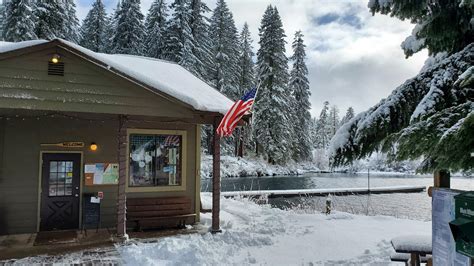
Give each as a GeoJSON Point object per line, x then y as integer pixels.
{"type": "Point", "coordinates": [433, 99]}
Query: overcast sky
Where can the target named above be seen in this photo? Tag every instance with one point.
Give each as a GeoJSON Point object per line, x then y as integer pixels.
{"type": "Point", "coordinates": [354, 58]}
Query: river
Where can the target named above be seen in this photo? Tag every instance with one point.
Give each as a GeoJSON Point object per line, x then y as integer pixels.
{"type": "Point", "coordinates": [402, 205]}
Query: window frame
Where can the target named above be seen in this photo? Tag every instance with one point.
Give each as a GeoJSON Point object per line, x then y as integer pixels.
{"type": "Point", "coordinates": [182, 186]}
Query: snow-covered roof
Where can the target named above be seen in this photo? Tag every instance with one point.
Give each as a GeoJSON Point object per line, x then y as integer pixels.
{"type": "Point", "coordinates": [165, 77]}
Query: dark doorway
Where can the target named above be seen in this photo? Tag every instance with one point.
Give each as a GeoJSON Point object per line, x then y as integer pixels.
{"type": "Point", "coordinates": [60, 185]}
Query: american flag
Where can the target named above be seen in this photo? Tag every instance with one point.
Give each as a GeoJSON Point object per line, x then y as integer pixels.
{"type": "Point", "coordinates": [172, 140]}
{"type": "Point", "coordinates": [235, 113]}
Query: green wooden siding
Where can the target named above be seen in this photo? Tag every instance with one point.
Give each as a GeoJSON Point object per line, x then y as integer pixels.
{"type": "Point", "coordinates": [85, 87]}
{"type": "Point", "coordinates": [19, 164]}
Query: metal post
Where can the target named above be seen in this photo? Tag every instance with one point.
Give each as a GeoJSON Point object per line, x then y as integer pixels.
{"type": "Point", "coordinates": [216, 178]}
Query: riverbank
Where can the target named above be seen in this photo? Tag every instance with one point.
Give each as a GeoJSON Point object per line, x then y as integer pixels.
{"type": "Point", "coordinates": [254, 166]}
{"type": "Point", "coordinates": [251, 166]}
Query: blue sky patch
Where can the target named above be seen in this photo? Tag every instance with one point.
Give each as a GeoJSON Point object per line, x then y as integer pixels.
{"type": "Point", "coordinates": [350, 19]}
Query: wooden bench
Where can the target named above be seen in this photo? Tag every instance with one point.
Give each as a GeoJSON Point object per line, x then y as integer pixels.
{"type": "Point", "coordinates": [412, 249]}
{"type": "Point", "coordinates": [158, 212]}
{"type": "Point", "coordinates": [405, 257]}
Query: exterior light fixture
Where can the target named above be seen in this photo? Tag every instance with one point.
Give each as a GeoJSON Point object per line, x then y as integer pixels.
{"type": "Point", "coordinates": [93, 146]}
{"type": "Point", "coordinates": [55, 59]}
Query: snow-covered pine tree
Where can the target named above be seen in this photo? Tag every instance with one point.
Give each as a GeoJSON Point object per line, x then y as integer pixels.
{"type": "Point", "coordinates": [272, 125]}
{"type": "Point", "coordinates": [71, 25]}
{"type": "Point", "coordinates": [246, 81]}
{"type": "Point", "coordinates": [155, 25]}
{"type": "Point", "coordinates": [111, 28]}
{"type": "Point", "coordinates": [430, 116]}
{"type": "Point", "coordinates": [349, 115]}
{"type": "Point", "coordinates": [94, 26]}
{"type": "Point", "coordinates": [299, 86]}
{"type": "Point", "coordinates": [130, 32]}
{"type": "Point", "coordinates": [323, 129]}
{"type": "Point", "coordinates": [225, 49]}
{"type": "Point", "coordinates": [334, 121]}
{"type": "Point", "coordinates": [199, 25]}
{"type": "Point", "coordinates": [442, 26]}
{"type": "Point", "coordinates": [179, 42]}
{"type": "Point", "coordinates": [49, 19]}
{"type": "Point", "coordinates": [246, 64]}
{"type": "Point", "coordinates": [19, 21]}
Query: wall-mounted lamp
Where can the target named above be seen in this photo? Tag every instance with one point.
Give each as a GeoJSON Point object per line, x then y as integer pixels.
{"type": "Point", "coordinates": [93, 146]}
{"type": "Point", "coordinates": [55, 58]}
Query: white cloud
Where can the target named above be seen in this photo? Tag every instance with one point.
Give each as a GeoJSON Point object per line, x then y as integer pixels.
{"type": "Point", "coordinates": [354, 58]}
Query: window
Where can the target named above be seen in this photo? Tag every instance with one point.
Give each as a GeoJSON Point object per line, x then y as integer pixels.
{"type": "Point", "coordinates": [60, 178]}
{"type": "Point", "coordinates": [156, 160]}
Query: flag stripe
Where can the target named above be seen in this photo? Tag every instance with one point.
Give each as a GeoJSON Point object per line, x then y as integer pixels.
{"type": "Point", "coordinates": [235, 113]}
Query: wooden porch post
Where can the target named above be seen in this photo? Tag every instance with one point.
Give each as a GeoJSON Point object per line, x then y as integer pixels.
{"type": "Point", "coordinates": [216, 178]}
{"type": "Point", "coordinates": [122, 196]}
{"type": "Point", "coordinates": [442, 178]}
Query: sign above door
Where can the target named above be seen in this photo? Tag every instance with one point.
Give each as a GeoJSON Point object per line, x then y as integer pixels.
{"type": "Point", "coordinates": [66, 144]}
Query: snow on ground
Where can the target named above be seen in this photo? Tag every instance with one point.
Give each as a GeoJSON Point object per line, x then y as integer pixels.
{"type": "Point", "coordinates": [255, 234]}
{"type": "Point", "coordinates": [250, 166]}
{"type": "Point", "coordinates": [260, 235]}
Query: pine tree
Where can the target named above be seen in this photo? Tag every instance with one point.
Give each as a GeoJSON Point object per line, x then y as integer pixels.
{"type": "Point", "coordinates": [71, 22]}
{"type": "Point", "coordinates": [272, 123]}
{"type": "Point", "coordinates": [299, 86]}
{"type": "Point", "coordinates": [430, 116]}
{"type": "Point", "coordinates": [111, 28]}
{"type": "Point", "coordinates": [442, 26]}
{"type": "Point", "coordinates": [19, 21]}
{"type": "Point", "coordinates": [246, 64]}
{"type": "Point", "coordinates": [50, 19]}
{"type": "Point", "coordinates": [130, 32]}
{"type": "Point", "coordinates": [246, 81]}
{"type": "Point", "coordinates": [93, 31]}
{"type": "Point", "coordinates": [179, 42]}
{"type": "Point", "coordinates": [334, 121]}
{"type": "Point", "coordinates": [199, 25]}
{"type": "Point", "coordinates": [225, 48]}
{"type": "Point", "coordinates": [155, 24]}
{"type": "Point", "coordinates": [323, 128]}
{"type": "Point", "coordinates": [349, 115]}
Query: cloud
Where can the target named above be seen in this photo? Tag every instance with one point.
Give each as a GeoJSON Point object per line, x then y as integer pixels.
{"type": "Point", "coordinates": [354, 58]}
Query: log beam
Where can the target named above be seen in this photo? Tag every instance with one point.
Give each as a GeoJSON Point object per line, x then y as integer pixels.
{"type": "Point", "coordinates": [216, 178]}
{"type": "Point", "coordinates": [121, 194]}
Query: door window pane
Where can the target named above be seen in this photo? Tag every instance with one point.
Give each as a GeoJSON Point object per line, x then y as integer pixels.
{"type": "Point", "coordinates": [60, 178]}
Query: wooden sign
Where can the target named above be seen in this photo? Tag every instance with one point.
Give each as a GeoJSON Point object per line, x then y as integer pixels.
{"type": "Point", "coordinates": [66, 144]}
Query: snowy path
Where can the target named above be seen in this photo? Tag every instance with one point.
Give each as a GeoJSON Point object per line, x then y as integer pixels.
{"type": "Point", "coordinates": [260, 235]}
{"type": "Point", "coordinates": [254, 234]}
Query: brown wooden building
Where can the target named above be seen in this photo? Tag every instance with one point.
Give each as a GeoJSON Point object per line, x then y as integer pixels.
{"type": "Point", "coordinates": [74, 123]}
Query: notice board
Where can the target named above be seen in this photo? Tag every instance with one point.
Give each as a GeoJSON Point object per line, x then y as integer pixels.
{"type": "Point", "coordinates": [444, 248]}
{"type": "Point", "coordinates": [101, 174]}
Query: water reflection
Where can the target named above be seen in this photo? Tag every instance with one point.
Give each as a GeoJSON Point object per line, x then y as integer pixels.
{"type": "Point", "coordinates": [402, 205]}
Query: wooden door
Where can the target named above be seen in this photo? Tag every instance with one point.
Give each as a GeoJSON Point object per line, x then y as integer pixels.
{"type": "Point", "coordinates": [60, 191]}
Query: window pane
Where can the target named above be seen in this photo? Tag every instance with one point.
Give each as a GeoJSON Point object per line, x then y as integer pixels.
{"type": "Point", "coordinates": [62, 167]}
{"type": "Point", "coordinates": [155, 160]}
{"type": "Point", "coordinates": [68, 191]}
{"type": "Point", "coordinates": [53, 181]}
{"type": "Point", "coordinates": [61, 183]}
{"type": "Point", "coordinates": [53, 167]}
{"type": "Point", "coordinates": [68, 166]}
